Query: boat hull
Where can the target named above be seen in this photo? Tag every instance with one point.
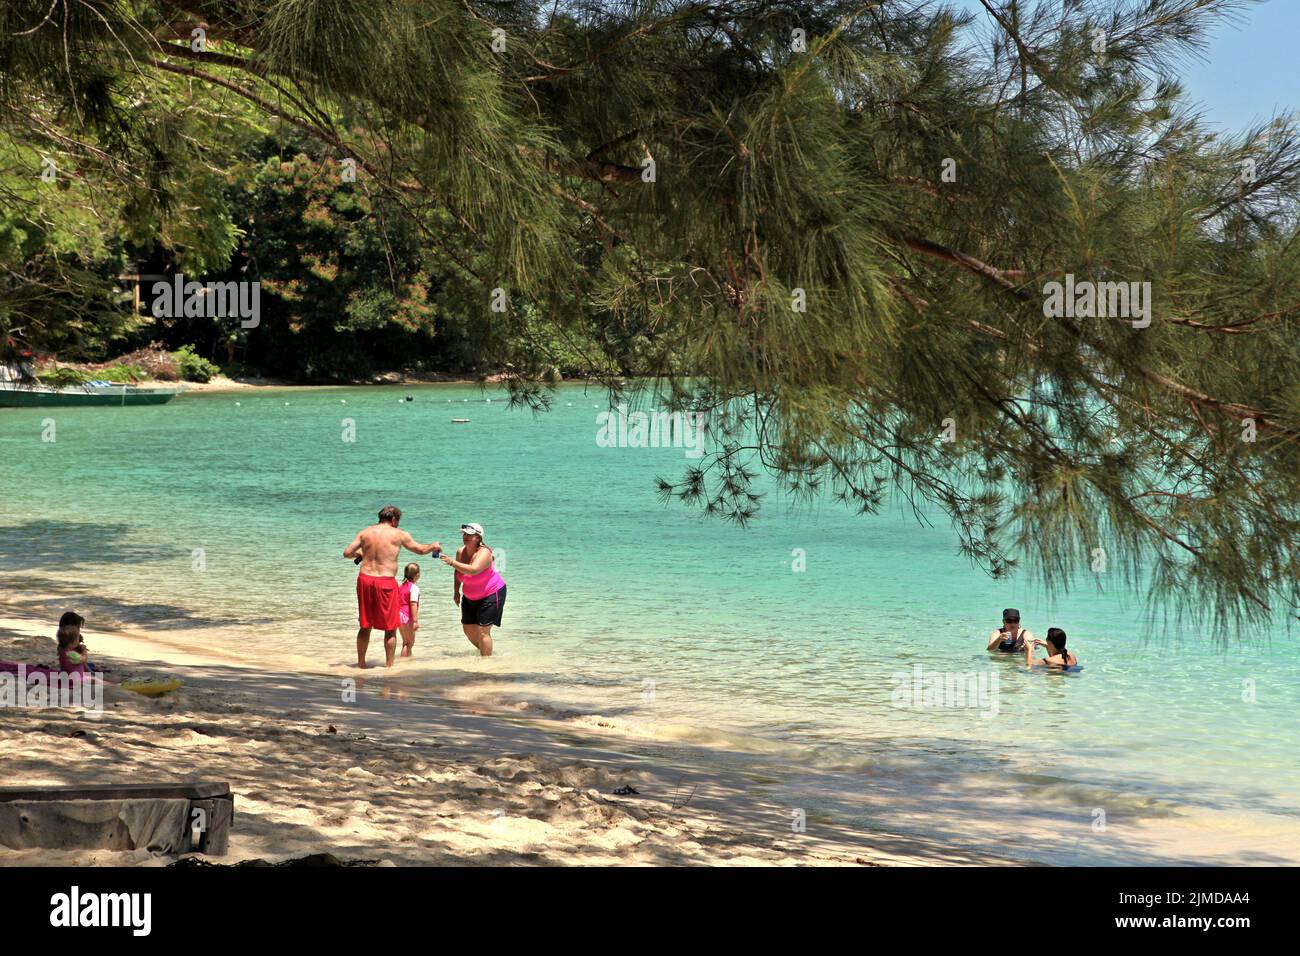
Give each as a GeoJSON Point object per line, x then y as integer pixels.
{"type": "Point", "coordinates": [33, 398]}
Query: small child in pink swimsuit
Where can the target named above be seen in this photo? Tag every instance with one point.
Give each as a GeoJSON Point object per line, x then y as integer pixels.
{"type": "Point", "coordinates": [408, 612]}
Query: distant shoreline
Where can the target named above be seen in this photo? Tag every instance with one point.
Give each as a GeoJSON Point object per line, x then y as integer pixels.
{"type": "Point", "coordinates": [221, 383]}
{"type": "Point", "coordinates": [156, 367]}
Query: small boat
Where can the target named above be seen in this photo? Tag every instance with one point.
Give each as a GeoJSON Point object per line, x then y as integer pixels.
{"type": "Point", "coordinates": [19, 388]}
{"type": "Point", "coordinates": [460, 421]}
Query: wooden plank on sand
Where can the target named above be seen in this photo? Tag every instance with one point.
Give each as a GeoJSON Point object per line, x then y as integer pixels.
{"type": "Point", "coordinates": [189, 790]}
{"type": "Point", "coordinates": [211, 807]}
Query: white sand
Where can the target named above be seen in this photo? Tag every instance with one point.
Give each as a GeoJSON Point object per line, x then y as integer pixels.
{"type": "Point", "coordinates": [399, 780]}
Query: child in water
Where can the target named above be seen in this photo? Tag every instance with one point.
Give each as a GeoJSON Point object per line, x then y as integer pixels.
{"type": "Point", "coordinates": [409, 607]}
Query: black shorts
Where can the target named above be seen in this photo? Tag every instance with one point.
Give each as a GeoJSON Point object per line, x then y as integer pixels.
{"type": "Point", "coordinates": [485, 611]}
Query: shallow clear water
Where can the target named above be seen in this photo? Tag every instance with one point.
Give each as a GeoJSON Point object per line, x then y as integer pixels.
{"type": "Point", "coordinates": [671, 627]}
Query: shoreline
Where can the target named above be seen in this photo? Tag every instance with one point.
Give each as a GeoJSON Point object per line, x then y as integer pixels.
{"type": "Point", "coordinates": [225, 384]}
{"type": "Point", "coordinates": [221, 383]}
{"type": "Point", "coordinates": [391, 776]}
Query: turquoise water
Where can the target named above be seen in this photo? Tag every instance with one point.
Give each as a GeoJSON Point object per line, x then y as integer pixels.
{"type": "Point", "coordinates": [683, 633]}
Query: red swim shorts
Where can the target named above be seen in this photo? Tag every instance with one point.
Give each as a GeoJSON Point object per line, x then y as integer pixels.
{"type": "Point", "coordinates": [378, 601]}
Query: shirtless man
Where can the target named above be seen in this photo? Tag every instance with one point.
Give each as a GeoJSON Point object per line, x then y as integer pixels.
{"type": "Point", "coordinates": [378, 593]}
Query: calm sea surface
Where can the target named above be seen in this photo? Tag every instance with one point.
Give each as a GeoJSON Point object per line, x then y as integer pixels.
{"type": "Point", "coordinates": [683, 632]}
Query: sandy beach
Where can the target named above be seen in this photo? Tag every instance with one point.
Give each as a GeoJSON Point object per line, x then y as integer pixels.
{"type": "Point", "coordinates": [394, 779]}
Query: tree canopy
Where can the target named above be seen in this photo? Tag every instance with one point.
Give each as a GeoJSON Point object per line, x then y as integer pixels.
{"type": "Point", "coordinates": [841, 229]}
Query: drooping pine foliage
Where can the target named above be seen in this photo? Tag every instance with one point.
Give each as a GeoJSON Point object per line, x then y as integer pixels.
{"type": "Point", "coordinates": [828, 224]}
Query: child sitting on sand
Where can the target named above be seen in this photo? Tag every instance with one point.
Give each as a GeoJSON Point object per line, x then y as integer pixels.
{"type": "Point", "coordinates": [408, 607]}
{"type": "Point", "coordinates": [73, 656]}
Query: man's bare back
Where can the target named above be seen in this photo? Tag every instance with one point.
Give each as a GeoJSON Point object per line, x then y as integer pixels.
{"type": "Point", "coordinates": [379, 546]}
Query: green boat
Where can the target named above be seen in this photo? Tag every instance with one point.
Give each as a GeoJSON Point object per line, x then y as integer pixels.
{"type": "Point", "coordinates": [20, 389]}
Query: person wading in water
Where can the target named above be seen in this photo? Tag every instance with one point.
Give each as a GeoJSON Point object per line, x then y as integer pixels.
{"type": "Point", "coordinates": [379, 597]}
{"type": "Point", "coordinates": [1010, 638]}
{"type": "Point", "coordinates": [484, 595]}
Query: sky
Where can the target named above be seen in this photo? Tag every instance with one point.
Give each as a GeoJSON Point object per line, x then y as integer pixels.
{"type": "Point", "coordinates": [1251, 67]}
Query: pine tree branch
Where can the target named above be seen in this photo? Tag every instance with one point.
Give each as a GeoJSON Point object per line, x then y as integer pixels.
{"type": "Point", "coordinates": [327, 136]}
{"type": "Point", "coordinates": [1263, 420]}
{"type": "Point", "coordinates": [44, 20]}
{"type": "Point", "coordinates": [211, 57]}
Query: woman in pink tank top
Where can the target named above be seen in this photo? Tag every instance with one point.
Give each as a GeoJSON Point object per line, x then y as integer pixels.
{"type": "Point", "coordinates": [477, 588]}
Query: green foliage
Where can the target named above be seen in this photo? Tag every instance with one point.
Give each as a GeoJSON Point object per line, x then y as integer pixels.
{"type": "Point", "coordinates": [119, 372]}
{"type": "Point", "coordinates": [58, 264]}
{"type": "Point", "coordinates": [124, 374]}
{"type": "Point", "coordinates": [62, 377]}
{"type": "Point", "coordinates": [344, 288]}
{"type": "Point", "coordinates": [194, 368]}
{"type": "Point", "coordinates": [803, 266]}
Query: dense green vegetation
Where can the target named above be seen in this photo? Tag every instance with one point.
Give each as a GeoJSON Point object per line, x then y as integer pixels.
{"type": "Point", "coordinates": [193, 367]}
{"type": "Point", "coordinates": [348, 285]}
{"type": "Point", "coordinates": [829, 226]}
